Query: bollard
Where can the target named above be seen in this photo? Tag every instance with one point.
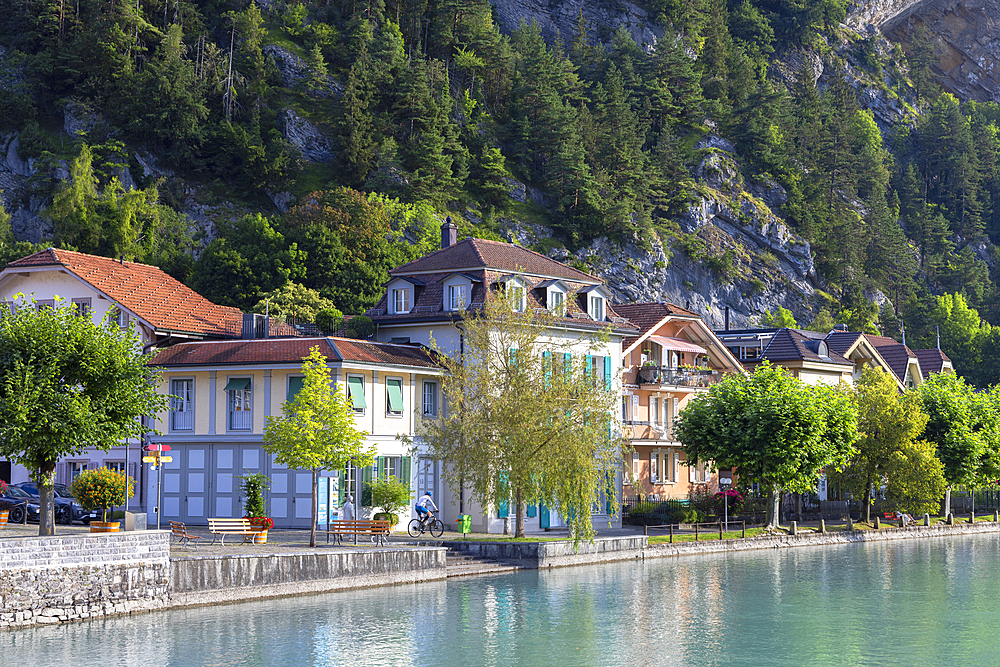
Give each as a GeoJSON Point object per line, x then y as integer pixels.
{"type": "Point", "coordinates": [695, 532]}
{"type": "Point", "coordinates": [950, 520]}
{"type": "Point", "coordinates": [876, 523]}
{"type": "Point", "coordinates": [972, 517]}
{"type": "Point", "coordinates": [645, 530]}
{"type": "Point", "coordinates": [822, 525]}
{"type": "Point", "coordinates": [927, 519]}
{"type": "Point", "coordinates": [901, 523]}
{"type": "Point", "coordinates": [850, 523]}
{"type": "Point", "coordinates": [671, 533]}
{"type": "Point", "coordinates": [720, 532]}
{"type": "Point", "coordinates": [996, 516]}
{"type": "Point", "coordinates": [795, 528]}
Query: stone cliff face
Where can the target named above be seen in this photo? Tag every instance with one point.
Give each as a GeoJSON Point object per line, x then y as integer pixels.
{"type": "Point", "coordinates": [559, 17]}
{"type": "Point", "coordinates": [966, 40]}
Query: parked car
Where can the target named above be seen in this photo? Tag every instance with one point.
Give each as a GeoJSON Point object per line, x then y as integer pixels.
{"type": "Point", "coordinates": [68, 509]}
{"type": "Point", "coordinates": [20, 500]}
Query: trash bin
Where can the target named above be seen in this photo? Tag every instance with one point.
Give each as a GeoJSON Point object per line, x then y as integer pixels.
{"type": "Point", "coordinates": [465, 523]}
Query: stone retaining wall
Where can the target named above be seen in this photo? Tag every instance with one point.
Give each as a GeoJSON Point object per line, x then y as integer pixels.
{"type": "Point", "coordinates": [213, 579]}
{"type": "Point", "coordinates": [67, 578]}
{"type": "Point", "coordinates": [818, 539]}
{"type": "Point", "coordinates": [556, 553]}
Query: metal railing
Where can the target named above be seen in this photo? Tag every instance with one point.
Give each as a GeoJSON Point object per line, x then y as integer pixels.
{"type": "Point", "coordinates": [182, 420]}
{"type": "Point", "coordinates": [671, 527]}
{"type": "Point", "coordinates": [678, 377]}
{"type": "Point", "coordinates": [240, 420]}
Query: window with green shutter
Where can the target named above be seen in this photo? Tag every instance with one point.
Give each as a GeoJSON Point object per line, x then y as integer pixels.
{"type": "Point", "coordinates": [394, 396]}
{"type": "Point", "coordinates": [356, 392]}
{"type": "Point", "coordinates": [404, 471]}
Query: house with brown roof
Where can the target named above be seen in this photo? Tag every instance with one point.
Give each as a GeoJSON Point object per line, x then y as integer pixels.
{"type": "Point", "coordinates": [933, 361]}
{"type": "Point", "coordinates": [426, 300]}
{"type": "Point", "coordinates": [672, 358]}
{"type": "Point", "coordinates": [223, 391]}
{"type": "Point", "coordinates": [159, 308]}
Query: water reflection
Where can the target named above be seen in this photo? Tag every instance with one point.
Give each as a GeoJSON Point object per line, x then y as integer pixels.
{"type": "Point", "coordinates": [921, 602]}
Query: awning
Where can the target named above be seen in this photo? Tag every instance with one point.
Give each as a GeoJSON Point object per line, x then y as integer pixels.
{"type": "Point", "coordinates": [356, 391]}
{"type": "Point", "coordinates": [294, 387]}
{"type": "Point", "coordinates": [677, 345]}
{"type": "Point", "coordinates": [395, 395]}
{"type": "Point", "coordinates": [238, 384]}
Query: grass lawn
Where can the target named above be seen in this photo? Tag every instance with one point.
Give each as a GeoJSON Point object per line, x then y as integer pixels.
{"type": "Point", "coordinates": [705, 536]}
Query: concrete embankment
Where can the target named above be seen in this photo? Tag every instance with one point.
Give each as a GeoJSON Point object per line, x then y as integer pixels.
{"type": "Point", "coordinates": [663, 550]}
{"type": "Point", "coordinates": [561, 553]}
{"type": "Point", "coordinates": [198, 580]}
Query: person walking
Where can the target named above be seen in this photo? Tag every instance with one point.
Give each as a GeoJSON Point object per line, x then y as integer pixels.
{"type": "Point", "coordinates": [347, 511]}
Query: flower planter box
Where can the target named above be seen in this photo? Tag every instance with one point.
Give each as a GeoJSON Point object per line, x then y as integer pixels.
{"type": "Point", "coordinates": [104, 527]}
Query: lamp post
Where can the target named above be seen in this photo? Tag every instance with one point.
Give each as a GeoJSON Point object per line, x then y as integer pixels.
{"type": "Point", "coordinates": [724, 484]}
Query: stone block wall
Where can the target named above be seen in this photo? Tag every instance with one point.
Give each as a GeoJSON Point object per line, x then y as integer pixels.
{"type": "Point", "coordinates": [197, 580]}
{"type": "Point", "coordinates": [47, 580]}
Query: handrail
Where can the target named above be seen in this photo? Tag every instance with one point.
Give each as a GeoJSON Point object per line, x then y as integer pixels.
{"type": "Point", "coordinates": [720, 524]}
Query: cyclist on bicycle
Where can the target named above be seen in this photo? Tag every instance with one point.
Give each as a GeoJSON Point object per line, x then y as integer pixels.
{"type": "Point", "coordinates": [425, 506]}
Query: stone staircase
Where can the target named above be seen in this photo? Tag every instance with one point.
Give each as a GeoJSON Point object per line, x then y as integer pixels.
{"type": "Point", "coordinates": [461, 565]}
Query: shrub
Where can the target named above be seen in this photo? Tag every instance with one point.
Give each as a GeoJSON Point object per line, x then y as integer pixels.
{"type": "Point", "coordinates": [102, 488]}
{"type": "Point", "coordinates": [391, 494]}
{"type": "Point", "coordinates": [252, 486]}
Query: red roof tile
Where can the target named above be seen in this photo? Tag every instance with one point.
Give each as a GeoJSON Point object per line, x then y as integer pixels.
{"type": "Point", "coordinates": [645, 316]}
{"type": "Point", "coordinates": [144, 290]}
{"type": "Point", "coordinates": [496, 255]}
{"type": "Point", "coordinates": [289, 351]}
{"type": "Point", "coordinates": [931, 361]}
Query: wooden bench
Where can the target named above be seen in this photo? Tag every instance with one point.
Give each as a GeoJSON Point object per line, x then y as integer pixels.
{"type": "Point", "coordinates": [178, 531]}
{"type": "Point", "coordinates": [223, 527]}
{"type": "Point", "coordinates": [378, 530]}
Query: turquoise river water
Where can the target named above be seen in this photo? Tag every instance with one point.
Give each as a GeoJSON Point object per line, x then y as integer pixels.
{"type": "Point", "coordinates": [915, 602]}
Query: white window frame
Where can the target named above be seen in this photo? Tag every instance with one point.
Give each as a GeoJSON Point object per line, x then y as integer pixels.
{"type": "Point", "coordinates": [596, 307]}
{"type": "Point", "coordinates": [83, 306]}
{"type": "Point", "coordinates": [388, 411]}
{"type": "Point", "coordinates": [654, 468]}
{"type": "Point", "coordinates": [400, 300]}
{"type": "Point", "coordinates": [189, 403]}
{"type": "Point", "coordinates": [654, 411]}
{"type": "Point", "coordinates": [517, 293]}
{"type": "Point", "coordinates": [556, 301]}
{"type": "Point", "coordinates": [243, 397]}
{"type": "Point", "coordinates": [347, 388]}
{"type": "Point", "coordinates": [457, 295]}
{"type": "Point", "coordinates": [432, 385]}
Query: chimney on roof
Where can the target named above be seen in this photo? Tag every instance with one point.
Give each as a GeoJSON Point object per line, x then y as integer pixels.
{"type": "Point", "coordinates": [839, 327]}
{"type": "Point", "coordinates": [449, 233]}
{"type": "Point", "coordinates": [727, 318]}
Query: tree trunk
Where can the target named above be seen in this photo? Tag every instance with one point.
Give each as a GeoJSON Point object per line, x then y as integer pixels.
{"type": "Point", "coordinates": [866, 505]}
{"type": "Point", "coordinates": [519, 513]}
{"type": "Point", "coordinates": [946, 503]}
{"type": "Point", "coordinates": [798, 507]}
{"type": "Point", "coordinates": [46, 492]}
{"type": "Point", "coordinates": [312, 513]}
{"type": "Point", "coordinates": [773, 506]}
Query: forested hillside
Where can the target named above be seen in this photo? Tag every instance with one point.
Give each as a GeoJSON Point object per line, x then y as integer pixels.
{"type": "Point", "coordinates": [279, 148]}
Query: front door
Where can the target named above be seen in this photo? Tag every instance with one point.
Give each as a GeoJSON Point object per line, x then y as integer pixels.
{"type": "Point", "coordinates": [186, 484]}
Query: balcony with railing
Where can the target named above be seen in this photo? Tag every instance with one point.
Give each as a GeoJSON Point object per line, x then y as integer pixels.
{"type": "Point", "coordinates": [647, 430]}
{"type": "Point", "coordinates": [181, 419]}
{"type": "Point", "coordinates": [661, 376]}
{"type": "Point", "coordinates": [240, 420]}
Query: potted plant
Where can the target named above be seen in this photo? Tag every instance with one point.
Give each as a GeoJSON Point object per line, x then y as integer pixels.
{"type": "Point", "coordinates": [102, 488]}
{"type": "Point", "coordinates": [253, 486]}
{"type": "Point", "coordinates": [392, 496]}
{"type": "Point", "coordinates": [4, 505]}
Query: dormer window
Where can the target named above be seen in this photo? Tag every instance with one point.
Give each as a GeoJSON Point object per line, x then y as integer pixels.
{"type": "Point", "coordinates": [823, 350]}
{"type": "Point", "coordinates": [401, 300]}
{"type": "Point", "coordinates": [557, 301]}
{"type": "Point", "coordinates": [597, 307]}
{"type": "Point", "coordinates": [458, 297]}
{"type": "Point", "coordinates": [517, 297]}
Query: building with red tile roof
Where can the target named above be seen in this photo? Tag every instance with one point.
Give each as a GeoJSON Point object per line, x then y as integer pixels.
{"type": "Point", "coordinates": [674, 358]}
{"type": "Point", "coordinates": [224, 391]}
{"type": "Point", "coordinates": [426, 300]}
{"type": "Point", "coordinates": [933, 361]}
{"type": "Point", "coordinates": [157, 304]}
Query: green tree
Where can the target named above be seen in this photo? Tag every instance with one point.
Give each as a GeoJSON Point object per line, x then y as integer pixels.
{"type": "Point", "coordinates": [248, 258]}
{"type": "Point", "coordinates": [295, 301]}
{"type": "Point", "coordinates": [962, 332]}
{"type": "Point", "coordinates": [316, 429]}
{"type": "Point", "coordinates": [888, 424]}
{"type": "Point", "coordinates": [527, 423]}
{"type": "Point", "coordinates": [67, 384]}
{"type": "Point", "coordinates": [779, 319]}
{"type": "Point", "coordinates": [772, 428]}
{"type": "Point", "coordinates": [963, 427]}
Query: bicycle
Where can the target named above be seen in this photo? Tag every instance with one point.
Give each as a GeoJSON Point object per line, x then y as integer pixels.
{"type": "Point", "coordinates": [433, 524]}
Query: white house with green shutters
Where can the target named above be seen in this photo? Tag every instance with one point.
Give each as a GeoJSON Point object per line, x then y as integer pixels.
{"type": "Point", "coordinates": [424, 300]}
{"type": "Point", "coordinates": [223, 391]}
